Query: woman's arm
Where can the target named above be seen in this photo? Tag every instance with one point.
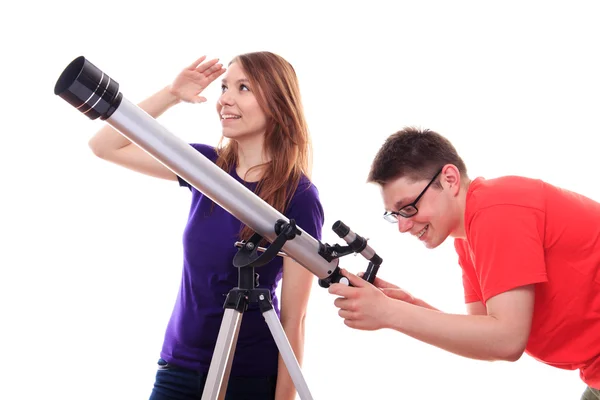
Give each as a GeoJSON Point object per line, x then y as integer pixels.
{"type": "Point", "coordinates": [295, 291]}
{"type": "Point", "coordinates": [110, 145]}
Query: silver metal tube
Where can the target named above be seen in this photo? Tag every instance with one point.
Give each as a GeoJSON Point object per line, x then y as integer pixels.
{"type": "Point", "coordinates": [94, 94]}
{"type": "Point", "coordinates": [367, 253]}
{"type": "Point", "coordinates": [356, 242]}
{"type": "Point", "coordinates": [287, 354]}
{"type": "Point", "coordinates": [220, 365]}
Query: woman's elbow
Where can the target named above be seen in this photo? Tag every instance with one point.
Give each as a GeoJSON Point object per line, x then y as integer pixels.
{"type": "Point", "coordinates": [98, 150]}
{"type": "Point", "coordinates": [295, 320]}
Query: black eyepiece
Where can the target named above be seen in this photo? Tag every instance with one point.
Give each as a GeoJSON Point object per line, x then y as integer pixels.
{"type": "Point", "coordinates": [88, 89]}
{"type": "Point", "coordinates": [340, 229]}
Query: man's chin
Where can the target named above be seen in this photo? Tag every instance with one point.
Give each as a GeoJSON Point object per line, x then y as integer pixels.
{"type": "Point", "coordinates": [433, 243]}
{"type": "Point", "coordinates": [430, 246]}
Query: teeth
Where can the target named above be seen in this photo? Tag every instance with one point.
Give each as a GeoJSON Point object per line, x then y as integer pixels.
{"type": "Point", "coordinates": [229, 116]}
{"type": "Point", "coordinates": [422, 232]}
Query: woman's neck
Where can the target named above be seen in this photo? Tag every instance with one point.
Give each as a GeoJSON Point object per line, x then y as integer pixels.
{"type": "Point", "coordinates": [251, 154]}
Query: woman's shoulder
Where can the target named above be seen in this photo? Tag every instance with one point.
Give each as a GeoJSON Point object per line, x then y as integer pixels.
{"type": "Point", "coordinates": [206, 150]}
{"type": "Point", "coordinates": [306, 194]}
{"type": "Point", "coordinates": [306, 208]}
{"type": "Point", "coordinates": [305, 184]}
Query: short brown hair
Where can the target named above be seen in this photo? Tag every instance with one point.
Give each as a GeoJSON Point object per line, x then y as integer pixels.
{"type": "Point", "coordinates": [413, 153]}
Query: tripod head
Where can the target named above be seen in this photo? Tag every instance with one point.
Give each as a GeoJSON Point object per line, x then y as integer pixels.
{"type": "Point", "coordinates": [248, 256]}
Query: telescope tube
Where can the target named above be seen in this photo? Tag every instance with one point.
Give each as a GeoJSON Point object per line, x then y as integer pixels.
{"type": "Point", "coordinates": [357, 243]}
{"type": "Point", "coordinates": [96, 95]}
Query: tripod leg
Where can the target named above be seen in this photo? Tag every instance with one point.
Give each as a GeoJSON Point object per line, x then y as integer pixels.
{"type": "Point", "coordinates": [220, 365]}
{"type": "Point", "coordinates": [286, 351]}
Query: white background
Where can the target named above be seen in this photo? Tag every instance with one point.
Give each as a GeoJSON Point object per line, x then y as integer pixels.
{"type": "Point", "coordinates": [90, 253]}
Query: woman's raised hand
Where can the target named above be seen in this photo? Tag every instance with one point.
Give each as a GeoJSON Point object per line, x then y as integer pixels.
{"type": "Point", "coordinates": [190, 82]}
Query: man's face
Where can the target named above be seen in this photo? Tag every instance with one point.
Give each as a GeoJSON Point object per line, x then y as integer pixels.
{"type": "Point", "coordinates": [437, 216]}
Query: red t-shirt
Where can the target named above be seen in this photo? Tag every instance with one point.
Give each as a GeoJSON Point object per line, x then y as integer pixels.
{"type": "Point", "coordinates": [522, 231]}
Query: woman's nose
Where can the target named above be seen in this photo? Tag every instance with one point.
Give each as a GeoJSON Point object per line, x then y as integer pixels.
{"type": "Point", "coordinates": [226, 99]}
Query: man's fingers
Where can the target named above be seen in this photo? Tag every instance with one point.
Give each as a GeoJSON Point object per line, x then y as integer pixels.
{"type": "Point", "coordinates": [348, 315]}
{"type": "Point", "coordinates": [341, 302]}
{"type": "Point", "coordinates": [352, 324]}
{"type": "Point", "coordinates": [397, 294]}
{"type": "Point", "coordinates": [380, 283]}
{"type": "Point", "coordinates": [345, 304]}
{"type": "Point", "coordinates": [354, 280]}
{"type": "Point", "coordinates": [342, 290]}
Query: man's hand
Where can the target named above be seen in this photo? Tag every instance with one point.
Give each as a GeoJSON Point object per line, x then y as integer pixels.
{"type": "Point", "coordinates": [363, 306]}
{"type": "Point", "coordinates": [392, 290]}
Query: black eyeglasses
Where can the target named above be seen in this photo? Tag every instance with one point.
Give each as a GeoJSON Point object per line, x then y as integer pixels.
{"type": "Point", "coordinates": [411, 209]}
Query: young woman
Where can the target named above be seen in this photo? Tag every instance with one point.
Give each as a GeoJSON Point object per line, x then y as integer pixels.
{"type": "Point", "coordinates": [266, 147]}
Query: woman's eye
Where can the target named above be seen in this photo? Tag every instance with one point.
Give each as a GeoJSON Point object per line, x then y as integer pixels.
{"type": "Point", "coordinates": [244, 87]}
{"type": "Point", "coordinates": [223, 88]}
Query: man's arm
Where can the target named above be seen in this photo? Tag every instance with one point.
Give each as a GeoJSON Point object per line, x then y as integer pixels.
{"type": "Point", "coordinates": [498, 333]}
{"type": "Point", "coordinates": [501, 333]}
{"type": "Point", "coordinates": [395, 292]}
{"type": "Point", "coordinates": [476, 308]}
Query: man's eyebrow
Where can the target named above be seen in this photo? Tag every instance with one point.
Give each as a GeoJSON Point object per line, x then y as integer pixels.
{"type": "Point", "coordinates": [398, 204]}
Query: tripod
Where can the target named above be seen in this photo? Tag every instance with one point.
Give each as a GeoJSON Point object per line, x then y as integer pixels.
{"type": "Point", "coordinates": [97, 95]}
{"type": "Point", "coordinates": [237, 302]}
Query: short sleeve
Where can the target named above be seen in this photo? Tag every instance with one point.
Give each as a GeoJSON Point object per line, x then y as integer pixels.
{"type": "Point", "coordinates": [507, 246]}
{"type": "Point", "coordinates": [305, 208]}
{"type": "Point", "coordinates": [207, 151]}
{"type": "Point", "coordinates": [464, 260]}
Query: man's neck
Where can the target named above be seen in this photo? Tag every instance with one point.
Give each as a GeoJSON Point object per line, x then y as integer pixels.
{"type": "Point", "coordinates": [460, 232]}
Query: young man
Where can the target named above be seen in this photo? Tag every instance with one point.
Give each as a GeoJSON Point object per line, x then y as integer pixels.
{"type": "Point", "coordinates": [529, 251]}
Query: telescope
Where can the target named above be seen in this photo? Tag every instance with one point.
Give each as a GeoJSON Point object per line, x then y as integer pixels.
{"type": "Point", "coordinates": [96, 95]}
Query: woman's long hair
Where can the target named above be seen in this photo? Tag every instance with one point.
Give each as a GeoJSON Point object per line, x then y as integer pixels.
{"type": "Point", "coordinates": [287, 139]}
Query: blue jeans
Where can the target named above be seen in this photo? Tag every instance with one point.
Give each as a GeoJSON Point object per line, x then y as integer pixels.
{"type": "Point", "coordinates": [175, 383]}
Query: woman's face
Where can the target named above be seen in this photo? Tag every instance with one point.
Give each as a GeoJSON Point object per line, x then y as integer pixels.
{"type": "Point", "coordinates": [239, 111]}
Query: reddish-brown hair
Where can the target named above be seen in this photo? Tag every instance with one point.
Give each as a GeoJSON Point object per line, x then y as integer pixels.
{"type": "Point", "coordinates": [287, 140]}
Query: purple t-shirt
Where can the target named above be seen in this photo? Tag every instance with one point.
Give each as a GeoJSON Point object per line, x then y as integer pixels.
{"type": "Point", "coordinates": [209, 275]}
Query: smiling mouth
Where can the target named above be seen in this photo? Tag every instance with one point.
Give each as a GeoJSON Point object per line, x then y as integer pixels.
{"type": "Point", "coordinates": [229, 116]}
{"type": "Point", "coordinates": [422, 231]}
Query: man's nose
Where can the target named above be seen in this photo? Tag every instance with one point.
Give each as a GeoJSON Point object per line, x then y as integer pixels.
{"type": "Point", "coordinates": [404, 224]}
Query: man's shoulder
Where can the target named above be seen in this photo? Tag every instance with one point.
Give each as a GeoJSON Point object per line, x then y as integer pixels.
{"type": "Point", "coordinates": [506, 183]}
{"type": "Point", "coordinates": [510, 190]}
{"type": "Point", "coordinates": [461, 246]}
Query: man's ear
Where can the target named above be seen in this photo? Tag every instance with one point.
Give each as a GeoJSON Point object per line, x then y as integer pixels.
{"type": "Point", "coordinates": [450, 177]}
